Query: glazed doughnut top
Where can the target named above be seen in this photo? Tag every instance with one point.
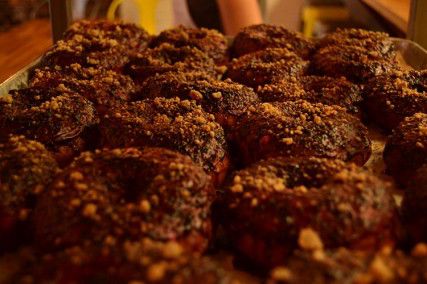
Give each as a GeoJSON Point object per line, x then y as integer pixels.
{"type": "Point", "coordinates": [302, 128]}
{"type": "Point", "coordinates": [311, 193]}
{"type": "Point", "coordinates": [177, 124]}
{"type": "Point", "coordinates": [99, 86]}
{"type": "Point", "coordinates": [133, 262]}
{"type": "Point", "coordinates": [46, 115]}
{"type": "Point", "coordinates": [125, 194]}
{"type": "Point", "coordinates": [26, 168]}
{"type": "Point", "coordinates": [375, 42]}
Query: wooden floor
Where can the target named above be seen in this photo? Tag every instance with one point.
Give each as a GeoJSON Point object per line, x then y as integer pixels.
{"type": "Point", "coordinates": [22, 44]}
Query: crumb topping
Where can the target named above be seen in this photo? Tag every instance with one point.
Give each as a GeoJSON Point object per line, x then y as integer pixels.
{"type": "Point", "coordinates": [176, 124]}
{"type": "Point", "coordinates": [377, 43]}
{"type": "Point", "coordinates": [303, 129]}
{"type": "Point", "coordinates": [353, 266]}
{"type": "Point", "coordinates": [265, 66]}
{"type": "Point", "coordinates": [298, 196]}
{"type": "Point", "coordinates": [224, 99]}
{"type": "Point", "coordinates": [166, 58]}
{"type": "Point", "coordinates": [390, 98]}
{"type": "Point", "coordinates": [309, 240]}
{"type": "Point", "coordinates": [257, 37]}
{"type": "Point", "coordinates": [47, 115]}
{"type": "Point", "coordinates": [281, 274]}
{"type": "Point", "coordinates": [99, 86]}
{"type": "Point", "coordinates": [419, 250]}
{"type": "Point", "coordinates": [353, 62]}
{"type": "Point", "coordinates": [323, 89]}
{"type": "Point", "coordinates": [128, 194]}
{"type": "Point", "coordinates": [26, 168]}
{"type": "Point", "coordinates": [213, 43]}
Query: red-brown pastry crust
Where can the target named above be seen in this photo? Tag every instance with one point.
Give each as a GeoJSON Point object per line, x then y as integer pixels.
{"type": "Point", "coordinates": [265, 66]}
{"type": "Point", "coordinates": [127, 194]}
{"type": "Point", "coordinates": [142, 261]}
{"type": "Point", "coordinates": [167, 58]}
{"type": "Point", "coordinates": [100, 44]}
{"type": "Point", "coordinates": [348, 266]}
{"type": "Point", "coordinates": [26, 168]}
{"type": "Point", "coordinates": [301, 129]}
{"type": "Point", "coordinates": [224, 99]}
{"type": "Point", "coordinates": [351, 61]}
{"type": "Point", "coordinates": [211, 42]}
{"type": "Point", "coordinates": [102, 87]}
{"type": "Point", "coordinates": [63, 121]}
{"type": "Point", "coordinates": [406, 148]}
{"type": "Point", "coordinates": [414, 206]}
{"type": "Point", "coordinates": [375, 42]}
{"type": "Point", "coordinates": [388, 99]}
{"type": "Point", "coordinates": [315, 89]}
{"type": "Point", "coordinates": [264, 207]}
{"type": "Point", "coordinates": [179, 125]}
{"type": "Point", "coordinates": [128, 35]}
{"type": "Point", "coordinates": [259, 37]}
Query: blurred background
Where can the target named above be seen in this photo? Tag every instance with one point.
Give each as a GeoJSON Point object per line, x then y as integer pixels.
{"type": "Point", "coordinates": [316, 15]}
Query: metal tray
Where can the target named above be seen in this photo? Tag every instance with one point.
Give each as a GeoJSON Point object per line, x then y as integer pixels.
{"type": "Point", "coordinates": [410, 55]}
{"type": "Point", "coordinates": [18, 80]}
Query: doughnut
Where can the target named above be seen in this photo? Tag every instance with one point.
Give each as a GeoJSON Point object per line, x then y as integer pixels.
{"type": "Point", "coordinates": [300, 128]}
{"type": "Point", "coordinates": [314, 89]}
{"type": "Point", "coordinates": [211, 42]}
{"type": "Point", "coordinates": [265, 206]}
{"type": "Point", "coordinates": [414, 206]}
{"type": "Point", "coordinates": [26, 168]}
{"type": "Point", "coordinates": [264, 66]}
{"type": "Point", "coordinates": [64, 122]}
{"type": "Point", "coordinates": [176, 124]}
{"type": "Point", "coordinates": [167, 58]}
{"type": "Point", "coordinates": [377, 42]}
{"type": "Point", "coordinates": [351, 61]}
{"type": "Point", "coordinates": [348, 266]}
{"type": "Point", "coordinates": [105, 54]}
{"type": "Point", "coordinates": [262, 36]}
{"type": "Point", "coordinates": [224, 99]}
{"type": "Point", "coordinates": [101, 87]}
{"type": "Point", "coordinates": [143, 261]}
{"type": "Point", "coordinates": [406, 148]}
{"type": "Point", "coordinates": [123, 194]}
{"type": "Point", "coordinates": [98, 44]}
{"type": "Point", "coordinates": [128, 35]}
{"type": "Point", "coordinates": [390, 98]}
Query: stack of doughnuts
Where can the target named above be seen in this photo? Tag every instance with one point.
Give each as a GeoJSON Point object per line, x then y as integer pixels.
{"type": "Point", "coordinates": [132, 158]}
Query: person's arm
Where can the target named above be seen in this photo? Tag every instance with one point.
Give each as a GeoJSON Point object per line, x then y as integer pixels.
{"type": "Point", "coordinates": [236, 14]}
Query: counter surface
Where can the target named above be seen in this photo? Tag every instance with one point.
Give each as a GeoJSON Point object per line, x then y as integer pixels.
{"type": "Point", "coordinates": [22, 44]}
{"type": "Point", "coordinates": [394, 11]}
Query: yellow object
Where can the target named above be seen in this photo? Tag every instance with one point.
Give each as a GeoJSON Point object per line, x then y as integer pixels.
{"type": "Point", "coordinates": [147, 13]}
{"type": "Point", "coordinates": [313, 14]}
